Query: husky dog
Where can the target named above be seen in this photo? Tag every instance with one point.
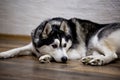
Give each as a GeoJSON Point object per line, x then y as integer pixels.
{"type": "Point", "coordinates": [68, 39]}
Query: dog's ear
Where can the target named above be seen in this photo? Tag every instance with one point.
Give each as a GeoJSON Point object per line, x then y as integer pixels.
{"type": "Point", "coordinates": [46, 30]}
{"type": "Point", "coordinates": [64, 27]}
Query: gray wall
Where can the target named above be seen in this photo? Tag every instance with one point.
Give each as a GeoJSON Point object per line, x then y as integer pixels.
{"type": "Point", "coordinates": [21, 16]}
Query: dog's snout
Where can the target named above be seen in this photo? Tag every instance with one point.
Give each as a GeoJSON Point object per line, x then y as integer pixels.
{"type": "Point", "coordinates": [64, 59]}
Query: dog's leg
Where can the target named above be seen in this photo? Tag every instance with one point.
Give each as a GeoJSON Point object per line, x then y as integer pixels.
{"type": "Point", "coordinates": [89, 58]}
{"type": "Point", "coordinates": [26, 50]}
{"type": "Point", "coordinates": [45, 59]}
{"type": "Point", "coordinates": [106, 55]}
{"type": "Point", "coordinates": [100, 59]}
{"type": "Point", "coordinates": [106, 46]}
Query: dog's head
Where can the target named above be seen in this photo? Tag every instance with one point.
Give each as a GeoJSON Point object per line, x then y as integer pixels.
{"type": "Point", "coordinates": [55, 40]}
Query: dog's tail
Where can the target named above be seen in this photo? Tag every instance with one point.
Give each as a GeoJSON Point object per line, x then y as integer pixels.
{"type": "Point", "coordinates": [25, 50]}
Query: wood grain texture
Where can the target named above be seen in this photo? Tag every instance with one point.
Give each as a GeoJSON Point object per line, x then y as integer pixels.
{"type": "Point", "coordinates": [29, 68]}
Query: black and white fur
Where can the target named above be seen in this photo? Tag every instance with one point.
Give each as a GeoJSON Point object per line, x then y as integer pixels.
{"type": "Point", "coordinates": [61, 39]}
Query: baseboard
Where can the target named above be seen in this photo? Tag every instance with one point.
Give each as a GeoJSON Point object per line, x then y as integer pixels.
{"type": "Point", "coordinates": [16, 37]}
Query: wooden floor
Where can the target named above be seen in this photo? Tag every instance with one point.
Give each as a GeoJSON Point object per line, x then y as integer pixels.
{"type": "Point", "coordinates": [29, 68]}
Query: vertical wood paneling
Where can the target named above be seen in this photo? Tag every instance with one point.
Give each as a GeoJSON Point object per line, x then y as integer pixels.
{"type": "Point", "coordinates": [21, 16]}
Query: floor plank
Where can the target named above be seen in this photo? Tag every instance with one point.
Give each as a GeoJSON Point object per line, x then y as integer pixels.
{"type": "Point", "coordinates": [29, 68]}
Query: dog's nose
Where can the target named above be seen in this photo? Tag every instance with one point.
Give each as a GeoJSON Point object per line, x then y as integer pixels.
{"type": "Point", "coordinates": [64, 59]}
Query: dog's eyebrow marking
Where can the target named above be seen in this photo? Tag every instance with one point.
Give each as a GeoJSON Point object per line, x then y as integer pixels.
{"type": "Point", "coordinates": [56, 41]}
{"type": "Point", "coordinates": [63, 41]}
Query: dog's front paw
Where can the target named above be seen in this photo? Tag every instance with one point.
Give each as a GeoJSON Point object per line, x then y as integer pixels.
{"type": "Point", "coordinates": [45, 59]}
{"type": "Point", "coordinates": [93, 60]}
{"type": "Point", "coordinates": [4, 55]}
